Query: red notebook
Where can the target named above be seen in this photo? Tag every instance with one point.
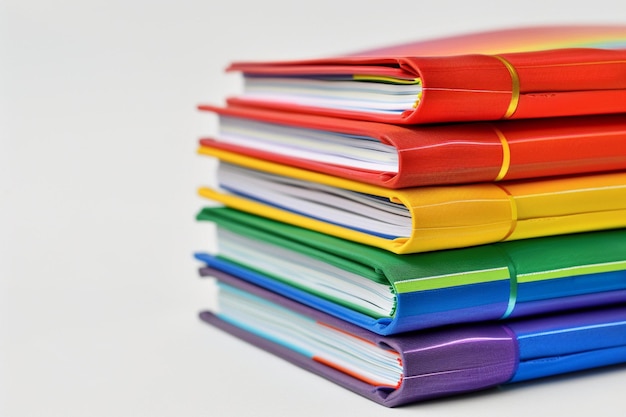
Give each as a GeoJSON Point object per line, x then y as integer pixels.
{"type": "Point", "coordinates": [565, 71]}
{"type": "Point", "coordinates": [396, 156]}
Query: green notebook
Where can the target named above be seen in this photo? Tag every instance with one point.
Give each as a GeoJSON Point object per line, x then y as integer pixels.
{"type": "Point", "coordinates": [389, 293]}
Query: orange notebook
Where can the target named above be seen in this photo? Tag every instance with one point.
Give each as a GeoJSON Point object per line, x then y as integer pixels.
{"type": "Point", "coordinates": [395, 156]}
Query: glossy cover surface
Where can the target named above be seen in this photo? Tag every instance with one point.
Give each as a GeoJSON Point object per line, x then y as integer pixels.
{"type": "Point", "coordinates": [486, 77]}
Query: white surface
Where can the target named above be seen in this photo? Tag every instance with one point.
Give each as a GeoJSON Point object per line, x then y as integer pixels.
{"type": "Point", "coordinates": [98, 291]}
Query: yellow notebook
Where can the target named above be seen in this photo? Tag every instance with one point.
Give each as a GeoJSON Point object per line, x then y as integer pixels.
{"type": "Point", "coordinates": [418, 219]}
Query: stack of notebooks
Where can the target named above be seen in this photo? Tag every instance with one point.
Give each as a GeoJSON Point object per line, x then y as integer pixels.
{"type": "Point", "coordinates": [427, 219]}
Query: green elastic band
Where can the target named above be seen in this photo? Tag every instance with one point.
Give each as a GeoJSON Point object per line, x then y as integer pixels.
{"type": "Point", "coordinates": [513, 283]}
{"type": "Point", "coordinates": [512, 296]}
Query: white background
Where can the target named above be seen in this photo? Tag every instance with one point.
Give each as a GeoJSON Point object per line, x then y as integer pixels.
{"type": "Point", "coordinates": [98, 172]}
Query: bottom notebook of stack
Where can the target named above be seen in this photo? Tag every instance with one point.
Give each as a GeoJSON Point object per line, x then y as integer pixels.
{"type": "Point", "coordinates": [416, 366]}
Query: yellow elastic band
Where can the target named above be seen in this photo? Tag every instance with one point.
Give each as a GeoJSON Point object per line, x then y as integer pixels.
{"type": "Point", "coordinates": [506, 155]}
{"type": "Point", "coordinates": [514, 213]}
{"type": "Point", "coordinates": [515, 87]}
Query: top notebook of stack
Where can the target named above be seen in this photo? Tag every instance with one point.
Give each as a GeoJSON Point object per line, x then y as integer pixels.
{"type": "Point", "coordinates": [506, 74]}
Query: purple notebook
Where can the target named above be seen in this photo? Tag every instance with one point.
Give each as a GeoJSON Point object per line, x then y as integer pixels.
{"type": "Point", "coordinates": [420, 365]}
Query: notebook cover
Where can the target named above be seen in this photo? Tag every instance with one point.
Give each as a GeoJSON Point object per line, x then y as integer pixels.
{"type": "Point", "coordinates": [446, 217]}
{"type": "Point", "coordinates": [481, 79]}
{"type": "Point", "coordinates": [456, 153]}
{"type": "Point", "coordinates": [453, 360]}
{"type": "Point", "coordinates": [488, 282]}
